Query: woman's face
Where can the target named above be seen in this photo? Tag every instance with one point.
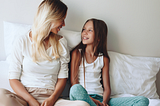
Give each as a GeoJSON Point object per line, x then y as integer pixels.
{"type": "Point", "coordinates": [58, 25]}
{"type": "Point", "coordinates": [88, 33]}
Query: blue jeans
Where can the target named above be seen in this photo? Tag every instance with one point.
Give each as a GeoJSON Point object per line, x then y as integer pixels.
{"type": "Point", "coordinates": [77, 92]}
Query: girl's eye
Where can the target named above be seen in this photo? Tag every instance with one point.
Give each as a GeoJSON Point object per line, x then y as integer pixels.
{"type": "Point", "coordinates": [83, 30]}
{"type": "Point", "coordinates": [90, 30]}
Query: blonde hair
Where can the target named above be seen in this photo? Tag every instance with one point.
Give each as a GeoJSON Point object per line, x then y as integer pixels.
{"type": "Point", "coordinates": [49, 11]}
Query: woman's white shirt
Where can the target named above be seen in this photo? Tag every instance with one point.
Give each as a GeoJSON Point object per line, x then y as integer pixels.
{"type": "Point", "coordinates": [41, 74]}
{"type": "Point", "coordinates": [92, 76]}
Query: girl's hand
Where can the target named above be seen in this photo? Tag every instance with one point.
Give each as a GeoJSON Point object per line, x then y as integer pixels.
{"type": "Point", "coordinates": [33, 102]}
{"type": "Point", "coordinates": [105, 104]}
{"type": "Point", "coordinates": [47, 102]}
{"type": "Point", "coordinates": [97, 102]}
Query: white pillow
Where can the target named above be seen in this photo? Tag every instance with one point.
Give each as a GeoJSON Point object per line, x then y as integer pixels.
{"type": "Point", "coordinates": [11, 32]}
{"type": "Point", "coordinates": [14, 30]}
{"type": "Point", "coordinates": [133, 75]}
{"type": "Point", "coordinates": [73, 38]}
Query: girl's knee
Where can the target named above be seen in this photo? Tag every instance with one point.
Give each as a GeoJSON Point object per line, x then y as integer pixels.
{"type": "Point", "coordinates": [144, 99]}
{"type": "Point", "coordinates": [77, 92]}
{"type": "Point", "coordinates": [75, 88]}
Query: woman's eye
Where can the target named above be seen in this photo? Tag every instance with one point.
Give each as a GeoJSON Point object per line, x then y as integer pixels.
{"type": "Point", "coordinates": [90, 30]}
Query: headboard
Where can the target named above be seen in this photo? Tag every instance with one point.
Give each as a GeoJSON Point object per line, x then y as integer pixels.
{"type": "Point", "coordinates": [133, 25]}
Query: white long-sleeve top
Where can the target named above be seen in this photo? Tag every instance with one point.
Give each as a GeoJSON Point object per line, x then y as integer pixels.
{"type": "Point", "coordinates": [41, 74]}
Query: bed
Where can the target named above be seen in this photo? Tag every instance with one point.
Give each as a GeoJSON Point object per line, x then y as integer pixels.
{"type": "Point", "coordinates": [129, 75]}
{"type": "Point", "coordinates": [132, 40]}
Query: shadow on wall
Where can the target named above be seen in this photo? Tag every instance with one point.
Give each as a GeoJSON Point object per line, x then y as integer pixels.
{"type": "Point", "coordinates": [113, 38]}
{"type": "Point", "coordinates": [158, 83]}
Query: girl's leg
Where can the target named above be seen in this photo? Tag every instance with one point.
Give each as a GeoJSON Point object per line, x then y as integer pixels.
{"type": "Point", "coordinates": [77, 92]}
{"type": "Point", "coordinates": [8, 98]}
{"type": "Point", "coordinates": [129, 101]}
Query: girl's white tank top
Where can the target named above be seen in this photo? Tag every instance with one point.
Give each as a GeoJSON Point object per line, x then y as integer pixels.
{"type": "Point", "coordinates": [92, 75]}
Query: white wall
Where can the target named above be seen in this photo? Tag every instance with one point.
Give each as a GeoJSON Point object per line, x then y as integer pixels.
{"type": "Point", "coordinates": [133, 25]}
{"type": "Point", "coordinates": [21, 11]}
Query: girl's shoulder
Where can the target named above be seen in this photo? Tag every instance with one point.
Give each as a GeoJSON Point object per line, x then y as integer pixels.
{"type": "Point", "coordinates": [75, 52]}
{"type": "Point", "coordinates": [105, 60]}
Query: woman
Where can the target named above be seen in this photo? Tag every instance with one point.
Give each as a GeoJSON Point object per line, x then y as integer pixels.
{"type": "Point", "coordinates": [39, 63]}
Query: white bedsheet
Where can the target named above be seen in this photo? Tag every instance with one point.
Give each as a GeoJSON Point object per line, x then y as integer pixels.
{"type": "Point", "coordinates": [4, 83]}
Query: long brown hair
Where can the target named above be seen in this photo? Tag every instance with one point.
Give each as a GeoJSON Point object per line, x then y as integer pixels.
{"type": "Point", "coordinates": [100, 44]}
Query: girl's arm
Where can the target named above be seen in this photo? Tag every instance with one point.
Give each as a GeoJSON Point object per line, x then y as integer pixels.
{"type": "Point", "coordinates": [20, 90]}
{"type": "Point", "coordinates": [106, 81]}
{"type": "Point", "coordinates": [74, 67]}
{"type": "Point", "coordinates": [57, 92]}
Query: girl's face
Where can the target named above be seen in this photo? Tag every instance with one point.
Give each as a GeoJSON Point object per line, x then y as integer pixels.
{"type": "Point", "coordinates": [58, 25]}
{"type": "Point", "coordinates": [88, 33]}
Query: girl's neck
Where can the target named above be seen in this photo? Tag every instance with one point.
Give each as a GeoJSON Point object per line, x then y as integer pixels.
{"type": "Point", "coordinates": [89, 50]}
{"type": "Point", "coordinates": [89, 54]}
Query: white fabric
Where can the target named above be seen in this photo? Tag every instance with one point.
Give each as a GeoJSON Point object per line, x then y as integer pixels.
{"type": "Point", "coordinates": [42, 74]}
{"type": "Point", "coordinates": [133, 75]}
{"type": "Point", "coordinates": [92, 76]}
{"type": "Point", "coordinates": [73, 38]}
{"type": "Point", "coordinates": [11, 32]}
{"type": "Point", "coordinates": [4, 82]}
{"type": "Point", "coordinates": [14, 30]}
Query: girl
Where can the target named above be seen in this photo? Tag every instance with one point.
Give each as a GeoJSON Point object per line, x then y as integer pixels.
{"type": "Point", "coordinates": [39, 62]}
{"type": "Point", "coordinates": [90, 69]}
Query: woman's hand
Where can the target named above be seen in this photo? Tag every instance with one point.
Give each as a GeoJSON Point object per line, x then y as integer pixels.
{"type": "Point", "coordinates": [47, 102]}
{"type": "Point", "coordinates": [20, 90]}
{"type": "Point", "coordinates": [60, 85]}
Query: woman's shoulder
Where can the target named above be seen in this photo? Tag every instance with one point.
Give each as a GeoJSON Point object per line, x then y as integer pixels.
{"type": "Point", "coordinates": [22, 38]}
{"type": "Point", "coordinates": [62, 40]}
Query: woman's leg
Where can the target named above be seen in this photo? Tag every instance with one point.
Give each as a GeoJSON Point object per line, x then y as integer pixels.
{"type": "Point", "coordinates": [77, 92]}
{"type": "Point", "coordinates": [129, 101]}
{"type": "Point", "coordinates": [40, 94]}
{"type": "Point", "coordinates": [63, 102]}
{"type": "Point", "coordinates": [8, 98]}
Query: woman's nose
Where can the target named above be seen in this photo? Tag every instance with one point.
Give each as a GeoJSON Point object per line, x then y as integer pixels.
{"type": "Point", "coordinates": [63, 23]}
